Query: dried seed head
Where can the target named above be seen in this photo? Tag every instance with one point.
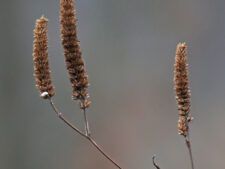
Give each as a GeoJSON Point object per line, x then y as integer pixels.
{"type": "Point", "coordinates": [85, 104]}
{"type": "Point", "coordinates": [182, 126]}
{"type": "Point", "coordinates": [40, 57]}
{"type": "Point", "coordinates": [182, 88]}
{"type": "Point", "coordinates": [72, 51]}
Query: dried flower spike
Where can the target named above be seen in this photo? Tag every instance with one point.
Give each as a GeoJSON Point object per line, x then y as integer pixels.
{"type": "Point", "coordinates": [182, 89]}
{"type": "Point", "coordinates": [40, 57]}
{"type": "Point", "coordinates": [72, 51]}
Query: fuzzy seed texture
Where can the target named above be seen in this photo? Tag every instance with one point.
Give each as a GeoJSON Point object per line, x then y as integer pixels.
{"type": "Point", "coordinates": [73, 54]}
{"type": "Point", "coordinates": [182, 89]}
{"type": "Point", "coordinates": [40, 57]}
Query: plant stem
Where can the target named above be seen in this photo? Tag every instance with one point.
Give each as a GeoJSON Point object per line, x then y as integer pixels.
{"type": "Point", "coordinates": [87, 129]}
{"type": "Point", "coordinates": [153, 161]}
{"type": "Point", "coordinates": [188, 143]}
{"type": "Point", "coordinates": [103, 152]}
{"type": "Point", "coordinates": [65, 120]}
{"type": "Point", "coordinates": [88, 137]}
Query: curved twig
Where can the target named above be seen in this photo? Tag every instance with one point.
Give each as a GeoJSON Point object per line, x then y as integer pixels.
{"type": "Point", "coordinates": [153, 161]}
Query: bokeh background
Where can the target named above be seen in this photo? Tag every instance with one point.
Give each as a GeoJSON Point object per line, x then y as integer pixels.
{"type": "Point", "coordinates": [129, 48]}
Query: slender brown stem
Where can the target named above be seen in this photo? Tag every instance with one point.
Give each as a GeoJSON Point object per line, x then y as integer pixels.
{"type": "Point", "coordinates": [88, 137]}
{"type": "Point", "coordinates": [188, 143]}
{"type": "Point", "coordinates": [103, 152]}
{"type": "Point", "coordinates": [65, 120]}
{"type": "Point", "coordinates": [87, 129]}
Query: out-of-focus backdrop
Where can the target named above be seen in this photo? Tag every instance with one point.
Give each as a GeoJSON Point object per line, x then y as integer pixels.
{"type": "Point", "coordinates": [129, 48]}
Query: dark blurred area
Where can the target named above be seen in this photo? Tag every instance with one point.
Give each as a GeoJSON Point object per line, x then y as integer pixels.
{"type": "Point", "coordinates": [129, 48]}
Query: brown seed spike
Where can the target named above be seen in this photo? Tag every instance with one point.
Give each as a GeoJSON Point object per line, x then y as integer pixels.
{"type": "Point", "coordinates": [72, 51]}
{"type": "Point", "coordinates": [40, 57]}
{"type": "Point", "coordinates": [182, 88]}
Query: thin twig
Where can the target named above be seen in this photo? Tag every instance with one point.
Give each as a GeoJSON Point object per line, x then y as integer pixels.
{"type": "Point", "coordinates": [87, 129]}
{"type": "Point", "coordinates": [153, 161]}
{"type": "Point", "coordinates": [188, 143]}
{"type": "Point", "coordinates": [103, 152]}
{"type": "Point", "coordinates": [88, 137]}
{"type": "Point", "coordinates": [65, 120]}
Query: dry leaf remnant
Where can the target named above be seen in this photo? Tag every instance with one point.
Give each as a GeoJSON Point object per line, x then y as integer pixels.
{"type": "Point", "coordinates": [40, 57]}
{"type": "Point", "coordinates": [73, 55]}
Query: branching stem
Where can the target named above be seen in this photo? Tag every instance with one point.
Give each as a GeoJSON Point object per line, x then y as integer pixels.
{"type": "Point", "coordinates": [87, 136]}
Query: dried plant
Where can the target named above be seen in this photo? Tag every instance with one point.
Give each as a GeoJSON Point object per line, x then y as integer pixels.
{"type": "Point", "coordinates": [40, 57]}
{"type": "Point", "coordinates": [183, 94]}
{"type": "Point", "coordinates": [74, 63]}
{"type": "Point", "coordinates": [73, 57]}
{"type": "Point", "coordinates": [72, 52]}
{"type": "Point", "coordinates": [79, 79]}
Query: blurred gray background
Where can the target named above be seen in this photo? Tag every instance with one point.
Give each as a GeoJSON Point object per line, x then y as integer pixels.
{"type": "Point", "coordinates": [129, 48]}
